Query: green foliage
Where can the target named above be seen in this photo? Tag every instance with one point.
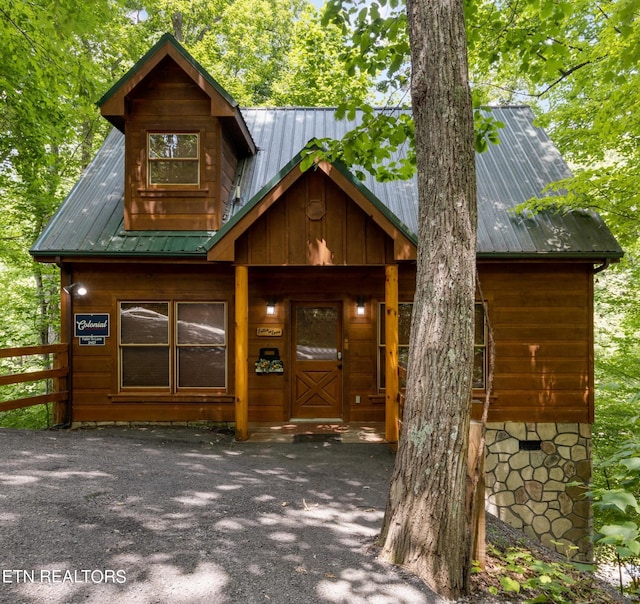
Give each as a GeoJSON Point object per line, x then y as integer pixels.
{"type": "Point", "coordinates": [617, 501]}
{"type": "Point", "coordinates": [313, 74]}
{"type": "Point", "coordinates": [533, 580]}
{"type": "Point", "coordinates": [37, 417]}
{"type": "Point", "coordinates": [263, 52]}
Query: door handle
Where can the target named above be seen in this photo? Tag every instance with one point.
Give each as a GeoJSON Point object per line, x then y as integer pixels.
{"type": "Point", "coordinates": [339, 356]}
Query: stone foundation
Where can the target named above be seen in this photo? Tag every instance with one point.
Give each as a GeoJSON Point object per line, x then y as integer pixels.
{"type": "Point", "coordinates": [529, 471]}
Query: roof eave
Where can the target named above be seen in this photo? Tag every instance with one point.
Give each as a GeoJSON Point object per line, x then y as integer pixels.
{"type": "Point", "coordinates": [590, 256]}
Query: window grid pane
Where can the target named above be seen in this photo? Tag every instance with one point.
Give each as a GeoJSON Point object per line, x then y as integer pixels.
{"type": "Point", "coordinates": [201, 367]}
{"type": "Point", "coordinates": [173, 146]}
{"type": "Point", "coordinates": [174, 172]}
{"type": "Point", "coordinates": [201, 323]}
{"type": "Point", "coordinates": [144, 323]}
{"type": "Point", "coordinates": [145, 367]}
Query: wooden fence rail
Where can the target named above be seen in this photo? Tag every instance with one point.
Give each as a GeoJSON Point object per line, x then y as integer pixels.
{"type": "Point", "coordinates": [58, 373]}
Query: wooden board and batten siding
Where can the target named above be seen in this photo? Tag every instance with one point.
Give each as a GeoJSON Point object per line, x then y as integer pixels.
{"type": "Point", "coordinates": [314, 223]}
{"type": "Point", "coordinates": [168, 91]}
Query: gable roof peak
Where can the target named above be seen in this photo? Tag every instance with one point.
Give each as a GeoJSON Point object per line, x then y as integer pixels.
{"type": "Point", "coordinates": [223, 105]}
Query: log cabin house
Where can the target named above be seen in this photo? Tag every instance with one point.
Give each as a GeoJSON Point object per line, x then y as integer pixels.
{"type": "Point", "coordinates": [225, 284]}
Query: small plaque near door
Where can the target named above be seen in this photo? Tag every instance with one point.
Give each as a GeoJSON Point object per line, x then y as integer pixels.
{"type": "Point", "coordinates": [269, 332]}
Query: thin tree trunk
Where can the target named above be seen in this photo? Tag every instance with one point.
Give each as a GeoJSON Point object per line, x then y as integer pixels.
{"type": "Point", "coordinates": [427, 525]}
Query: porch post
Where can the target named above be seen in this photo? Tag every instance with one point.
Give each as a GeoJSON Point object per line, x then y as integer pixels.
{"type": "Point", "coordinates": [392, 391]}
{"type": "Point", "coordinates": [242, 353]}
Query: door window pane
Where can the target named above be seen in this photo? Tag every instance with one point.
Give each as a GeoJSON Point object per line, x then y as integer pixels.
{"type": "Point", "coordinates": [316, 333]}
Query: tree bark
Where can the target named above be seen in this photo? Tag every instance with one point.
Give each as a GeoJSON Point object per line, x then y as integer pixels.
{"type": "Point", "coordinates": [427, 522]}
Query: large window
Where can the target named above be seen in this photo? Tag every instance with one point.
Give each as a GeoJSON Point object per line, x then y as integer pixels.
{"type": "Point", "coordinates": [173, 345]}
{"type": "Point", "coordinates": [174, 159]}
{"type": "Point", "coordinates": [404, 326]}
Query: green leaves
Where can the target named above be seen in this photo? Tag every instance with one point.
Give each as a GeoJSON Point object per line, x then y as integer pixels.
{"type": "Point", "coordinates": [510, 585]}
{"type": "Point", "coordinates": [619, 499]}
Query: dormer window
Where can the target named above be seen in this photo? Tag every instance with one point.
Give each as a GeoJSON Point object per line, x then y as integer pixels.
{"type": "Point", "coordinates": [174, 159]}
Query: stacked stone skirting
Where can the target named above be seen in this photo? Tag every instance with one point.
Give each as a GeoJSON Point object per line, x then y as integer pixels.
{"type": "Point", "coordinates": [531, 489]}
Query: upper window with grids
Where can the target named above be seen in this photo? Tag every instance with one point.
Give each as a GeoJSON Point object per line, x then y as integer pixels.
{"type": "Point", "coordinates": [173, 159]}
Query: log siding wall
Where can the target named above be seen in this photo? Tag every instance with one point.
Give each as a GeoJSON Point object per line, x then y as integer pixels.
{"type": "Point", "coordinates": [541, 320]}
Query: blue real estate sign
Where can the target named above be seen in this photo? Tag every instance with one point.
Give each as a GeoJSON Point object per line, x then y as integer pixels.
{"type": "Point", "coordinates": [92, 329]}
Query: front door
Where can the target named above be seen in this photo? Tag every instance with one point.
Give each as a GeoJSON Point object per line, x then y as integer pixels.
{"type": "Point", "coordinates": [317, 360]}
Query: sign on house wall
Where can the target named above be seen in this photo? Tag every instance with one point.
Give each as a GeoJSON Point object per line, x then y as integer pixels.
{"type": "Point", "coordinates": [92, 329]}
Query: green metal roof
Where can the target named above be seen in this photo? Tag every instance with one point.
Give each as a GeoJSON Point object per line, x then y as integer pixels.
{"type": "Point", "coordinates": [90, 221]}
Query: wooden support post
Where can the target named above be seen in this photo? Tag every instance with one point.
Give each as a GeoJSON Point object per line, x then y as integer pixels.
{"type": "Point", "coordinates": [478, 530]}
{"type": "Point", "coordinates": [63, 411]}
{"type": "Point", "coordinates": [392, 391]}
{"type": "Point", "coordinates": [242, 353]}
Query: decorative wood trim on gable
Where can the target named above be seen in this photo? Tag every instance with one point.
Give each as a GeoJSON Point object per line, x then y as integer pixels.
{"type": "Point", "coordinates": [404, 249]}
{"type": "Point", "coordinates": [225, 248]}
{"type": "Point", "coordinates": [115, 105]}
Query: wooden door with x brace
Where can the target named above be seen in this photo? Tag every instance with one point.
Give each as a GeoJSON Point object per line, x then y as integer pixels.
{"type": "Point", "coordinates": [317, 360]}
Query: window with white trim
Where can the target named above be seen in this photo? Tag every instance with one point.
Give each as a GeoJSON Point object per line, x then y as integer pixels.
{"type": "Point", "coordinates": [173, 158]}
{"type": "Point", "coordinates": [172, 346]}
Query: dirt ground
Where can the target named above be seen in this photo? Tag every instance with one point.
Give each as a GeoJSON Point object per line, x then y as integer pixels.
{"type": "Point", "coordinates": [185, 515]}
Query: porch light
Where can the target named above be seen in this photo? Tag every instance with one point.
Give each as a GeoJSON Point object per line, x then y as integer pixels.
{"type": "Point", "coordinates": [271, 306]}
{"type": "Point", "coordinates": [360, 307]}
{"type": "Point", "coordinates": [76, 288]}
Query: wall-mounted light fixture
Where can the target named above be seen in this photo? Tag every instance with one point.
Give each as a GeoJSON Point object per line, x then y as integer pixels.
{"type": "Point", "coordinates": [271, 306]}
{"type": "Point", "coordinates": [360, 307]}
{"type": "Point", "coordinates": [77, 288]}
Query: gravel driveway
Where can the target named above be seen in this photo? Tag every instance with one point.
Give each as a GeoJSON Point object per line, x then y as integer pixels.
{"type": "Point", "coordinates": [187, 515]}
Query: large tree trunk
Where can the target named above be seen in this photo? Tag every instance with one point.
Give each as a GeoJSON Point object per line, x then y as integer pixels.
{"type": "Point", "coordinates": [427, 524]}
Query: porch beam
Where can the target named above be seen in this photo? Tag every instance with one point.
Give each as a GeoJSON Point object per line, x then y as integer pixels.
{"type": "Point", "coordinates": [392, 390]}
{"type": "Point", "coordinates": [242, 353]}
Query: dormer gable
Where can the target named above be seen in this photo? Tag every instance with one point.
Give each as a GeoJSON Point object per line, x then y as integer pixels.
{"type": "Point", "coordinates": [184, 136]}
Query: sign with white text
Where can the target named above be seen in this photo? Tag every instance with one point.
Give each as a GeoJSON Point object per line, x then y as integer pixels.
{"type": "Point", "coordinates": [92, 325]}
{"type": "Point", "coordinates": [91, 340]}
